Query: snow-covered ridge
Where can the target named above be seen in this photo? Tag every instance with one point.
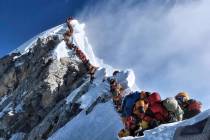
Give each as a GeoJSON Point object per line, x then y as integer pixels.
{"type": "Point", "coordinates": [24, 48]}
{"type": "Point", "coordinates": [78, 38]}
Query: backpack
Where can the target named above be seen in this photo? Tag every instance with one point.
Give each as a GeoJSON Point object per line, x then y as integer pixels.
{"type": "Point", "coordinates": [194, 105]}
{"type": "Point", "coordinates": [128, 103]}
{"type": "Point", "coordinates": [159, 112]}
{"type": "Point", "coordinates": [170, 104]}
{"type": "Point", "coordinates": [175, 111]}
{"type": "Point", "coordinates": [129, 122]}
{"type": "Point", "coordinates": [154, 98]}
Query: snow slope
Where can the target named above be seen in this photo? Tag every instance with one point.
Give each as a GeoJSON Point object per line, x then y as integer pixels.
{"type": "Point", "coordinates": [103, 123]}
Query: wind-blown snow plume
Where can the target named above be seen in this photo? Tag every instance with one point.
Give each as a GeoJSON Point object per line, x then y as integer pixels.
{"type": "Point", "coordinates": [166, 43]}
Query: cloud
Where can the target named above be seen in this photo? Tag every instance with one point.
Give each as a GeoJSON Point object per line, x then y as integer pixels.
{"type": "Point", "coordinates": [167, 44]}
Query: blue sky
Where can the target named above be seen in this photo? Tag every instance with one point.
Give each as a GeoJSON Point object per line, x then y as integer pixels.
{"type": "Point", "coordinates": [22, 19]}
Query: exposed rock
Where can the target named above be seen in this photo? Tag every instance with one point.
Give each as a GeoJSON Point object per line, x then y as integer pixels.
{"type": "Point", "coordinates": [33, 88]}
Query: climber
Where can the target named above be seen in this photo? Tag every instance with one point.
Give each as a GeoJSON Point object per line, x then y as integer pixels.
{"type": "Point", "coordinates": [128, 103]}
{"type": "Point", "coordinates": [81, 55]}
{"type": "Point", "coordinates": [115, 72]}
{"type": "Point", "coordinates": [139, 112]}
{"type": "Point", "coordinates": [131, 124]}
{"type": "Point", "coordinates": [67, 35]}
{"type": "Point", "coordinates": [190, 107]}
{"type": "Point", "coordinates": [91, 69]}
{"type": "Point", "coordinates": [125, 78]}
{"type": "Point", "coordinates": [70, 45]}
{"type": "Point", "coordinates": [68, 22]}
{"type": "Point", "coordinates": [156, 113]}
{"type": "Point", "coordinates": [174, 110]}
{"type": "Point", "coordinates": [69, 19]}
{"type": "Point", "coordinates": [142, 104]}
{"type": "Point", "coordinates": [116, 90]}
{"type": "Point", "coordinates": [139, 108]}
{"type": "Point", "coordinates": [123, 133]}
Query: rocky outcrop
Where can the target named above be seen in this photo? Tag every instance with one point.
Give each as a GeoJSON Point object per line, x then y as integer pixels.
{"type": "Point", "coordinates": [199, 130]}
{"type": "Point", "coordinates": [33, 88]}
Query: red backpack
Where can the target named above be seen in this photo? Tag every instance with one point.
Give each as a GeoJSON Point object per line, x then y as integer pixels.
{"type": "Point", "coordinates": [129, 122]}
{"type": "Point", "coordinates": [194, 105]}
{"type": "Point", "coordinates": [154, 98]}
{"type": "Point", "coordinates": [155, 105]}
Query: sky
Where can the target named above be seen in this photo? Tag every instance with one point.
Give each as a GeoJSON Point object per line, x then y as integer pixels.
{"type": "Point", "coordinates": [20, 20]}
{"type": "Point", "coordinates": [165, 42]}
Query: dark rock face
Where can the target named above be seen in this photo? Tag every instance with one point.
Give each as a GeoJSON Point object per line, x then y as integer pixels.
{"type": "Point", "coordinates": [197, 131]}
{"type": "Point", "coordinates": [33, 88]}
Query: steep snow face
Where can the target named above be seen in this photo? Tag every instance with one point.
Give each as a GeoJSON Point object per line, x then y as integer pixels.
{"type": "Point", "coordinates": [103, 123]}
{"type": "Point", "coordinates": [61, 50]}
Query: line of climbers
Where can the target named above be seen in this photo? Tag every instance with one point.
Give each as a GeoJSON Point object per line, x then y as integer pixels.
{"type": "Point", "coordinates": [143, 110]}
{"type": "Point", "coordinates": [90, 68]}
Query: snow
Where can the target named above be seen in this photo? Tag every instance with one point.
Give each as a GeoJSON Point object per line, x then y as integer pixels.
{"type": "Point", "coordinates": [7, 109]}
{"type": "Point", "coordinates": [10, 113]}
{"type": "Point", "coordinates": [99, 75]}
{"type": "Point", "coordinates": [24, 93]}
{"type": "Point", "coordinates": [99, 91]}
{"type": "Point", "coordinates": [17, 64]}
{"type": "Point", "coordinates": [3, 99]}
{"type": "Point", "coordinates": [126, 78]}
{"type": "Point", "coordinates": [17, 136]}
{"type": "Point", "coordinates": [103, 123]}
{"type": "Point", "coordinates": [61, 50]}
{"type": "Point", "coordinates": [99, 88]}
{"type": "Point", "coordinates": [19, 108]}
{"type": "Point", "coordinates": [74, 93]}
{"type": "Point", "coordinates": [15, 57]}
